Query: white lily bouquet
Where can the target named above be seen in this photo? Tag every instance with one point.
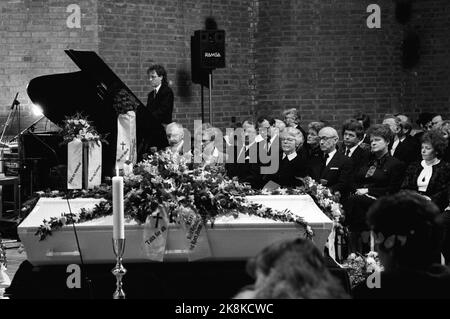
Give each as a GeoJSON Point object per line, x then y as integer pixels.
{"type": "Point", "coordinates": [84, 153]}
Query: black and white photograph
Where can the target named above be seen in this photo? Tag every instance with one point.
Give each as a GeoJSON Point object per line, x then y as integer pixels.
{"type": "Point", "coordinates": [220, 156]}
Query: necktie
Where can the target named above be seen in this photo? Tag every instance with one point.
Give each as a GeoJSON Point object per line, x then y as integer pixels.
{"type": "Point", "coordinates": [325, 157]}
{"type": "Point", "coordinates": [347, 152]}
{"type": "Point", "coordinates": [154, 94]}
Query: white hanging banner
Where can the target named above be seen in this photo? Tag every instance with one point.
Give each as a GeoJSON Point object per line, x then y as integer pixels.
{"type": "Point", "coordinates": [330, 243]}
{"type": "Point", "coordinates": [197, 237]}
{"type": "Point", "coordinates": [156, 228]}
{"type": "Point", "coordinates": [75, 164]}
{"type": "Point", "coordinates": [94, 164]}
{"type": "Point", "coordinates": [126, 139]}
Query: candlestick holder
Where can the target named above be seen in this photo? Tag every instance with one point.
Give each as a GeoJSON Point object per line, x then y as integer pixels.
{"type": "Point", "coordinates": [119, 270]}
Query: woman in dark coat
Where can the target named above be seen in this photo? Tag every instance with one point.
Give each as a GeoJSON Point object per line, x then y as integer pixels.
{"type": "Point", "coordinates": [431, 176]}
{"type": "Point", "coordinates": [382, 175]}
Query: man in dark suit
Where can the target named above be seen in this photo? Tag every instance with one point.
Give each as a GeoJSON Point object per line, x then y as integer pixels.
{"type": "Point", "coordinates": [152, 119]}
{"type": "Point", "coordinates": [336, 168]}
{"type": "Point", "coordinates": [352, 134]}
{"type": "Point", "coordinates": [243, 156]}
{"type": "Point", "coordinates": [403, 147]}
{"type": "Point", "coordinates": [408, 150]}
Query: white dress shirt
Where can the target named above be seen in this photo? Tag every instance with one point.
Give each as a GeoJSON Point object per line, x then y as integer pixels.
{"type": "Point", "coordinates": [425, 175]}
{"type": "Point", "coordinates": [330, 156]}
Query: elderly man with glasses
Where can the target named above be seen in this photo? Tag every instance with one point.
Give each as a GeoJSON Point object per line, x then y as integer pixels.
{"type": "Point", "coordinates": [335, 169]}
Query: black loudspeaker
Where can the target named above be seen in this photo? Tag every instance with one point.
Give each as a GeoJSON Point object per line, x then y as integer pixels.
{"type": "Point", "coordinates": [199, 75]}
{"type": "Point", "coordinates": [211, 48]}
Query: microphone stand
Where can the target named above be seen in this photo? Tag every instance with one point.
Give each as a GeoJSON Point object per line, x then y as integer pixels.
{"type": "Point", "coordinates": [5, 127]}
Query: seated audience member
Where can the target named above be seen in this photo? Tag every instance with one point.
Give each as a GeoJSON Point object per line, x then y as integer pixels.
{"type": "Point", "coordinates": [431, 176]}
{"type": "Point", "coordinates": [404, 147]}
{"type": "Point", "coordinates": [175, 136]}
{"type": "Point", "coordinates": [279, 124]}
{"type": "Point", "coordinates": [206, 152]}
{"type": "Point", "coordinates": [382, 175]}
{"type": "Point", "coordinates": [364, 119]}
{"type": "Point", "coordinates": [335, 169]}
{"type": "Point", "coordinates": [291, 269]}
{"type": "Point", "coordinates": [314, 154]}
{"type": "Point", "coordinates": [352, 134]}
{"type": "Point", "coordinates": [276, 128]}
{"type": "Point", "coordinates": [263, 126]}
{"type": "Point", "coordinates": [424, 122]}
{"type": "Point", "coordinates": [409, 232]}
{"type": "Point", "coordinates": [292, 167]}
{"type": "Point", "coordinates": [445, 130]}
{"type": "Point", "coordinates": [300, 145]}
{"type": "Point", "coordinates": [292, 119]}
{"type": "Point", "coordinates": [436, 121]}
{"type": "Point", "coordinates": [244, 162]}
{"type": "Point", "coordinates": [230, 136]}
{"type": "Point", "coordinates": [312, 140]}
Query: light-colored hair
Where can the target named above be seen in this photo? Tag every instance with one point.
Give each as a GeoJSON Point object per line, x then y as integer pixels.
{"type": "Point", "coordinates": [296, 133]}
{"type": "Point", "coordinates": [174, 125]}
{"type": "Point", "coordinates": [292, 111]}
{"type": "Point", "coordinates": [316, 126]}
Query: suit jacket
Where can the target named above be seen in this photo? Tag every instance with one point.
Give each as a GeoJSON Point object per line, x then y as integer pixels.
{"type": "Point", "coordinates": [244, 165]}
{"type": "Point", "coordinates": [360, 156]}
{"type": "Point", "coordinates": [408, 151]}
{"type": "Point", "coordinates": [161, 105]}
{"type": "Point", "coordinates": [314, 158]}
{"type": "Point", "coordinates": [386, 178]}
{"type": "Point", "coordinates": [439, 185]}
{"type": "Point", "coordinates": [150, 119]}
{"type": "Point", "coordinates": [288, 172]}
{"type": "Point", "coordinates": [338, 173]}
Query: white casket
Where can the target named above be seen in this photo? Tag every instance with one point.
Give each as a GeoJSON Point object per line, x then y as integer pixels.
{"type": "Point", "coordinates": [229, 239]}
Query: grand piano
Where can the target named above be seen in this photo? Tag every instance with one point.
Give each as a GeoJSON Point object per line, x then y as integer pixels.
{"type": "Point", "coordinates": [92, 92]}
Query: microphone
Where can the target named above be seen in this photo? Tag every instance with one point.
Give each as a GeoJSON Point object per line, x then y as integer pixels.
{"type": "Point", "coordinates": [15, 101]}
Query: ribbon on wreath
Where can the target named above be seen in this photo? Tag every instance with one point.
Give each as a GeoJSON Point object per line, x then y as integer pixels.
{"type": "Point", "coordinates": [75, 164]}
{"type": "Point", "coordinates": [84, 164]}
{"type": "Point", "coordinates": [156, 228]}
{"type": "Point", "coordinates": [196, 236]}
{"type": "Point", "coordinates": [94, 164]}
{"type": "Point", "coordinates": [126, 139]}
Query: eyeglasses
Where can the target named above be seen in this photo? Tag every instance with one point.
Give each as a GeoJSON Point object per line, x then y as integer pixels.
{"type": "Point", "coordinates": [326, 138]}
{"type": "Point", "coordinates": [287, 139]}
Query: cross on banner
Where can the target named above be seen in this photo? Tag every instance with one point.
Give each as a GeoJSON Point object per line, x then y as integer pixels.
{"type": "Point", "coordinates": [123, 144]}
{"type": "Point", "coordinates": [157, 217]}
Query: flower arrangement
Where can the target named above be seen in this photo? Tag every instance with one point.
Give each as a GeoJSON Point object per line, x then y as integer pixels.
{"type": "Point", "coordinates": [78, 127]}
{"type": "Point", "coordinates": [322, 196]}
{"type": "Point", "coordinates": [163, 180]}
{"type": "Point", "coordinates": [124, 102]}
{"type": "Point", "coordinates": [359, 267]}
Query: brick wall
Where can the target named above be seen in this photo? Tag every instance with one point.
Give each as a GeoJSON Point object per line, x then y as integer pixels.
{"type": "Point", "coordinates": [135, 34]}
{"type": "Point", "coordinates": [33, 35]}
{"type": "Point", "coordinates": [320, 57]}
{"type": "Point", "coordinates": [316, 55]}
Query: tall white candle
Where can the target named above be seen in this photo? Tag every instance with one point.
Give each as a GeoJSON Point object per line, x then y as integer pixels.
{"type": "Point", "coordinates": [118, 211]}
{"type": "Point", "coordinates": [372, 241]}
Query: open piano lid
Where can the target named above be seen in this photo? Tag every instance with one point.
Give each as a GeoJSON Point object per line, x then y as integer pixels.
{"type": "Point", "coordinates": [91, 91]}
